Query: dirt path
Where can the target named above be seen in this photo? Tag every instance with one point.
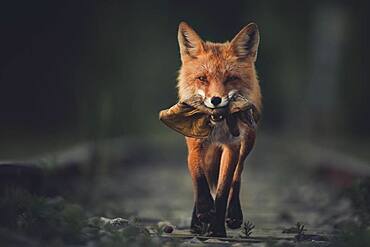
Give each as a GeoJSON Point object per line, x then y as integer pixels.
{"type": "Point", "coordinates": [278, 190]}
{"type": "Point", "coordinates": [283, 183]}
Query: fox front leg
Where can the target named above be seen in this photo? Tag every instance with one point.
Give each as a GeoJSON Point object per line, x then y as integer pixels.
{"type": "Point", "coordinates": [229, 161]}
{"type": "Point", "coordinates": [234, 217]}
{"type": "Point", "coordinates": [203, 212]}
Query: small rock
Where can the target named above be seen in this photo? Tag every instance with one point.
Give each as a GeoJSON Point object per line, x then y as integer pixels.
{"type": "Point", "coordinates": [168, 229]}
{"type": "Point", "coordinates": [116, 222]}
{"type": "Point", "coordinates": [166, 226]}
{"type": "Point", "coordinates": [215, 241]}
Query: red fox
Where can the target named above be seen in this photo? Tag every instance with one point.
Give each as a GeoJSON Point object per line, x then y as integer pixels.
{"type": "Point", "coordinates": [217, 71]}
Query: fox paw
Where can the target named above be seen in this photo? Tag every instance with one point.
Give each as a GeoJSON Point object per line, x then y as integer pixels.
{"type": "Point", "coordinates": [217, 231]}
{"type": "Point", "coordinates": [200, 223]}
{"type": "Point", "coordinates": [234, 223]}
{"type": "Point", "coordinates": [206, 217]}
{"type": "Point", "coordinates": [200, 228]}
{"type": "Point", "coordinates": [234, 218]}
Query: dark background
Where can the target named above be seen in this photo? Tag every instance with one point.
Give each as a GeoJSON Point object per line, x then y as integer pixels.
{"type": "Point", "coordinates": [81, 85]}
{"type": "Point", "coordinates": [75, 71]}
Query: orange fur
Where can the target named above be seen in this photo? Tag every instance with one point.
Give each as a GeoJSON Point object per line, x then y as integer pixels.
{"type": "Point", "coordinates": [216, 163]}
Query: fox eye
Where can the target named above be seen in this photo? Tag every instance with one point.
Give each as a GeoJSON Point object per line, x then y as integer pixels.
{"type": "Point", "coordinates": [231, 78]}
{"type": "Point", "coordinates": [203, 79]}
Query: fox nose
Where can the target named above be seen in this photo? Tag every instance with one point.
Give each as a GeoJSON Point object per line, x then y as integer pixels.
{"type": "Point", "coordinates": [215, 100]}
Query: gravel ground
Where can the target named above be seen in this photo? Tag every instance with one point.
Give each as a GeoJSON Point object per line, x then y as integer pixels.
{"type": "Point", "coordinates": [282, 185]}
{"type": "Point", "coordinates": [284, 182]}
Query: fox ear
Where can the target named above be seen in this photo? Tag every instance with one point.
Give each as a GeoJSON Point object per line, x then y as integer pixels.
{"type": "Point", "coordinates": [245, 43]}
{"type": "Point", "coordinates": [189, 41]}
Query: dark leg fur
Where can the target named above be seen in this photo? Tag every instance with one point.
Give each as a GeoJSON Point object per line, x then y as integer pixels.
{"type": "Point", "coordinates": [203, 211]}
{"type": "Point", "coordinates": [234, 217]}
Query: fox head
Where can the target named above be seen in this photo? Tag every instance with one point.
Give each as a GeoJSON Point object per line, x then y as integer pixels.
{"type": "Point", "coordinates": [219, 70]}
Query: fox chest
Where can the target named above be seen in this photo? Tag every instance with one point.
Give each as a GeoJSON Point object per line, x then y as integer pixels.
{"type": "Point", "coordinates": [221, 134]}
